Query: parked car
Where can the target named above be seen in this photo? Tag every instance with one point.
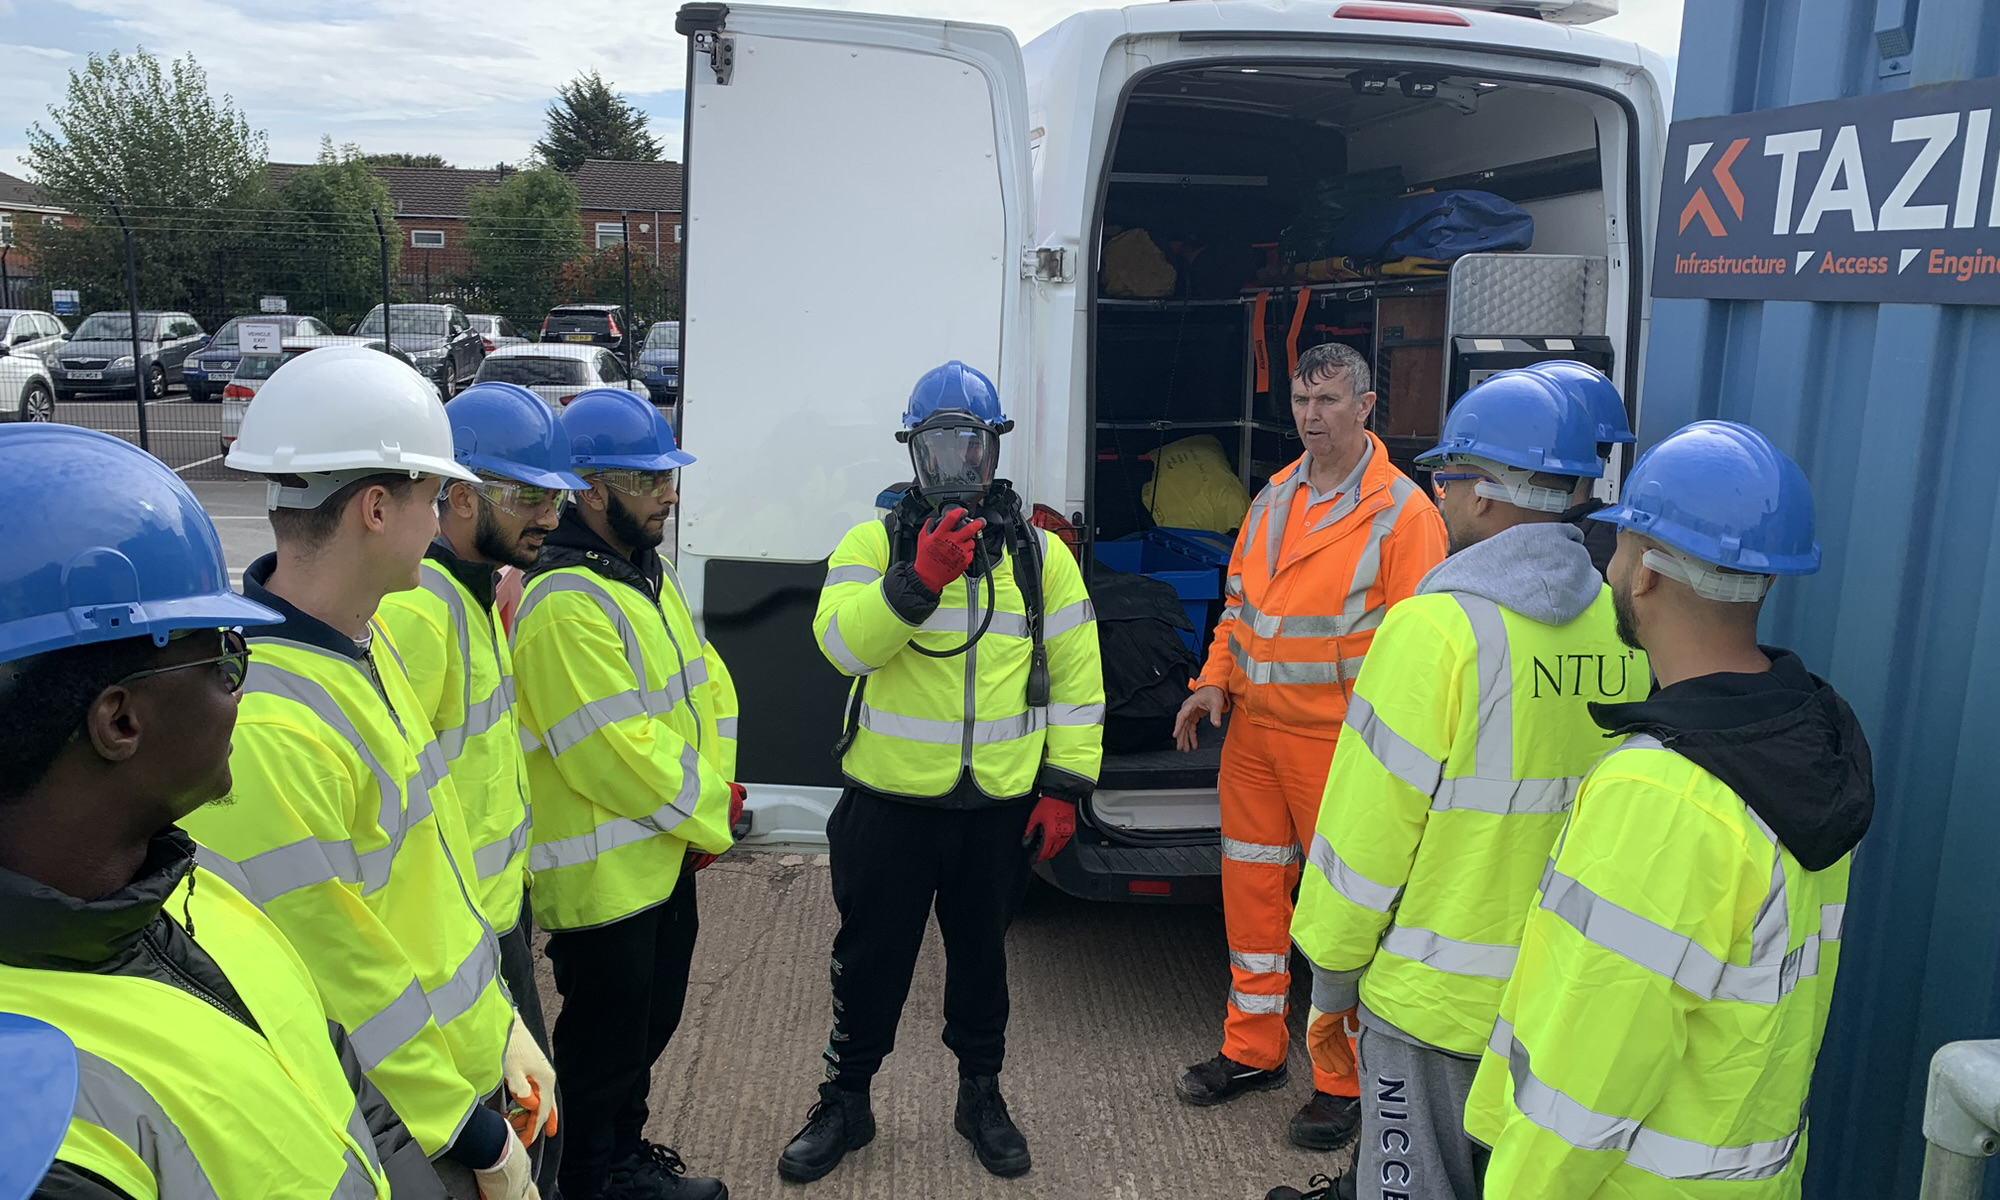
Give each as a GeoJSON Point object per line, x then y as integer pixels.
{"type": "Point", "coordinates": [98, 357]}
{"type": "Point", "coordinates": [26, 392]}
{"type": "Point", "coordinates": [439, 338]}
{"type": "Point", "coordinates": [30, 334]}
{"type": "Point", "coordinates": [208, 368]}
{"type": "Point", "coordinates": [557, 372]}
{"type": "Point", "coordinates": [660, 361]}
{"type": "Point", "coordinates": [253, 369]}
{"type": "Point", "coordinates": [592, 324]}
{"type": "Point", "coordinates": [498, 331]}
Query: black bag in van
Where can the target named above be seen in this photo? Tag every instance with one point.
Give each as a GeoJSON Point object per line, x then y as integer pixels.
{"type": "Point", "coordinates": [1146, 664]}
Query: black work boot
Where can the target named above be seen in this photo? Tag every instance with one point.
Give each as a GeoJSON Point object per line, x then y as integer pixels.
{"type": "Point", "coordinates": [1321, 1188]}
{"type": "Point", "coordinates": [982, 1120]}
{"type": "Point", "coordinates": [654, 1172]}
{"type": "Point", "coordinates": [1326, 1122]}
{"type": "Point", "coordinates": [839, 1122]}
{"type": "Point", "coordinates": [1222, 1079]}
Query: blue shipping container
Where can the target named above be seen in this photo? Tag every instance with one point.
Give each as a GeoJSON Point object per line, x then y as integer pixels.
{"type": "Point", "coordinates": [1892, 410]}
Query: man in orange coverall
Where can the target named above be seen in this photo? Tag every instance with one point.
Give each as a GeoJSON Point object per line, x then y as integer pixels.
{"type": "Point", "coordinates": [1330, 543]}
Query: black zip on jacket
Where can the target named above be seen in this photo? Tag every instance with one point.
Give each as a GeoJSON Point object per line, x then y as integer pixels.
{"type": "Point", "coordinates": [131, 933]}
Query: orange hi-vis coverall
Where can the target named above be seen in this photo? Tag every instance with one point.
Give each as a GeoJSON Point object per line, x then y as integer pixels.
{"type": "Point", "coordinates": [1311, 577]}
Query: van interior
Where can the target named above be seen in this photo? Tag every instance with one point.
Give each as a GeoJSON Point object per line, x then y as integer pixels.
{"type": "Point", "coordinates": [1221, 259]}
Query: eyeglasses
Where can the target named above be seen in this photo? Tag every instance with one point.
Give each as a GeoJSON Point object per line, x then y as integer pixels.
{"type": "Point", "coordinates": [657, 485]}
{"type": "Point", "coordinates": [233, 664]}
{"type": "Point", "coordinates": [1440, 478]}
{"type": "Point", "coordinates": [521, 499]}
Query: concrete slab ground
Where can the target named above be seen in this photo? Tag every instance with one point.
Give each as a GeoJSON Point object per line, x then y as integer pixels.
{"type": "Point", "coordinates": [1110, 1003]}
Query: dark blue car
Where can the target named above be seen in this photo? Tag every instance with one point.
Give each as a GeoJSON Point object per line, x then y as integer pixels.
{"type": "Point", "coordinates": [660, 361]}
{"type": "Point", "coordinates": [211, 367]}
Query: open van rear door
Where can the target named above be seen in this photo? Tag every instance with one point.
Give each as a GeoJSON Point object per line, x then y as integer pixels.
{"type": "Point", "coordinates": [856, 214]}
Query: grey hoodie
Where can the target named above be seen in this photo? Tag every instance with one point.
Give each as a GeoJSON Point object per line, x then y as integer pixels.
{"type": "Point", "coordinates": [1540, 571]}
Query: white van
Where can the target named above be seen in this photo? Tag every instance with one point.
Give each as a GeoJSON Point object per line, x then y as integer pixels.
{"type": "Point", "coordinates": [869, 196]}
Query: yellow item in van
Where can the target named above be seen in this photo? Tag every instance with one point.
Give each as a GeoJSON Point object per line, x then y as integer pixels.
{"type": "Point", "coordinates": [1415, 266]}
{"type": "Point", "coordinates": [1194, 488]}
{"type": "Point", "coordinates": [1134, 266]}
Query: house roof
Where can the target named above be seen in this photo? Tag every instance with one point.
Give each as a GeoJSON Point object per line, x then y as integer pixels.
{"type": "Point", "coordinates": [601, 184]}
{"type": "Point", "coordinates": [19, 193]}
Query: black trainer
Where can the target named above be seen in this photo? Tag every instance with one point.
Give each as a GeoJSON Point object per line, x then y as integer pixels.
{"type": "Point", "coordinates": [1321, 1188]}
{"type": "Point", "coordinates": [839, 1122]}
{"type": "Point", "coordinates": [1326, 1122]}
{"type": "Point", "coordinates": [982, 1120]}
{"type": "Point", "coordinates": [655, 1172]}
{"type": "Point", "coordinates": [1222, 1079]}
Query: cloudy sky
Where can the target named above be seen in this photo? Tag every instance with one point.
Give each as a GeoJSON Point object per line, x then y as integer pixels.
{"type": "Point", "coordinates": [467, 81]}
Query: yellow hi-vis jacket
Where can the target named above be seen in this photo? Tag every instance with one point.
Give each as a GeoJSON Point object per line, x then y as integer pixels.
{"type": "Point", "coordinates": [177, 1099]}
{"type": "Point", "coordinates": [1659, 1034]}
{"type": "Point", "coordinates": [925, 721]}
{"type": "Point", "coordinates": [1467, 737]}
{"type": "Point", "coordinates": [342, 827]}
{"type": "Point", "coordinates": [634, 716]}
{"type": "Point", "coordinates": [463, 673]}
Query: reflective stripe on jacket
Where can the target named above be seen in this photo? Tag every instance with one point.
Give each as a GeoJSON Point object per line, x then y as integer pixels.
{"type": "Point", "coordinates": [1465, 741]}
{"type": "Point", "coordinates": [179, 1100]}
{"type": "Point", "coordinates": [925, 721]}
{"type": "Point", "coordinates": [1302, 605]}
{"type": "Point", "coordinates": [1659, 1034]}
{"type": "Point", "coordinates": [343, 829]}
{"type": "Point", "coordinates": [631, 715]}
{"type": "Point", "coordinates": [463, 673]}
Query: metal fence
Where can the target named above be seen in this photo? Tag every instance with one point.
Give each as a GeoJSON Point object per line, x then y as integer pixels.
{"type": "Point", "coordinates": [286, 265]}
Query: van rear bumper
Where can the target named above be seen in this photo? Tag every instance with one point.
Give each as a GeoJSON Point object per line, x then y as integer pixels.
{"type": "Point", "coordinates": [1096, 869]}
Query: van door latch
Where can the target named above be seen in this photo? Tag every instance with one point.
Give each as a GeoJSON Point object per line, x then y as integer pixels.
{"type": "Point", "coordinates": [721, 53]}
{"type": "Point", "coordinates": [1046, 263]}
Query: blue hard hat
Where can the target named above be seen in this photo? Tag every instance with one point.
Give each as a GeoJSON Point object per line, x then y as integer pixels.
{"type": "Point", "coordinates": [103, 542]}
{"type": "Point", "coordinates": [955, 387]}
{"type": "Point", "coordinates": [38, 1061]}
{"type": "Point", "coordinates": [506, 430]}
{"type": "Point", "coordinates": [1597, 393]}
{"type": "Point", "coordinates": [613, 428]}
{"type": "Point", "coordinates": [1519, 419]}
{"type": "Point", "coordinates": [1720, 492]}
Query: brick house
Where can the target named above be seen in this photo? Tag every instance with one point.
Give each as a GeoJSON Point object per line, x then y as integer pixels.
{"type": "Point", "coordinates": [22, 202]}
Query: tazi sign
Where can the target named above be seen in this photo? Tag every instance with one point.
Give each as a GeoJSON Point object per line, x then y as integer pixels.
{"type": "Point", "coordinates": [1888, 198]}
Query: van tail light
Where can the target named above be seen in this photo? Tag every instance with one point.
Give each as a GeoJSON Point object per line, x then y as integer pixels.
{"type": "Point", "coordinates": [1149, 887]}
{"type": "Point", "coordinates": [1396, 12]}
{"type": "Point", "coordinates": [237, 391]}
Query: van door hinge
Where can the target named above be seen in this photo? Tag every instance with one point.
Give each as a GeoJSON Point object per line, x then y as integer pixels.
{"type": "Point", "coordinates": [1045, 263]}
{"type": "Point", "coordinates": [721, 53]}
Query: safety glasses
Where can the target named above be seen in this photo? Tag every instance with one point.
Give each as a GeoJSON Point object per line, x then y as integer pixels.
{"type": "Point", "coordinates": [232, 665]}
{"type": "Point", "coordinates": [1440, 478]}
{"type": "Point", "coordinates": [521, 499]}
{"type": "Point", "coordinates": [640, 485]}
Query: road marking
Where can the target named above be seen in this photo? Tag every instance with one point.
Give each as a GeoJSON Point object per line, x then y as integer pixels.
{"type": "Point", "coordinates": [201, 463]}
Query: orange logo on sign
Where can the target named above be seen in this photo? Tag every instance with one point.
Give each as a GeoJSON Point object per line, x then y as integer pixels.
{"type": "Point", "coordinates": [1699, 205]}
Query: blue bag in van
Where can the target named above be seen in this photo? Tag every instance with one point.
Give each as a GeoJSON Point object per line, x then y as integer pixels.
{"type": "Point", "coordinates": [1439, 225]}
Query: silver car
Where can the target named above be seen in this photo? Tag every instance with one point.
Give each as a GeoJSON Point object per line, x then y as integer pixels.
{"type": "Point", "coordinates": [557, 371]}
{"type": "Point", "coordinates": [28, 333]}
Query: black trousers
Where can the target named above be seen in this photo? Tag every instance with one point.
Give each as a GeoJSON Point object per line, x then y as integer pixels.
{"type": "Point", "coordinates": [893, 863]}
{"type": "Point", "coordinates": [517, 970]}
{"type": "Point", "coordinates": [623, 987]}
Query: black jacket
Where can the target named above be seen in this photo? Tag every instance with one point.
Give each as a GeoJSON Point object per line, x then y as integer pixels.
{"type": "Point", "coordinates": [1599, 537]}
{"type": "Point", "coordinates": [130, 933]}
{"type": "Point", "coordinates": [573, 544]}
{"type": "Point", "coordinates": [1782, 740]}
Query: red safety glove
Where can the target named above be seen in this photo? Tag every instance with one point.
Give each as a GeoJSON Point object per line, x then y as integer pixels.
{"type": "Point", "coordinates": [944, 548]}
{"type": "Point", "coordinates": [1050, 827]}
{"type": "Point", "coordinates": [699, 860]}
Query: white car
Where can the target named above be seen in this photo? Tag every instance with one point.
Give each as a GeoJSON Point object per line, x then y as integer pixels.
{"type": "Point", "coordinates": [557, 371]}
{"type": "Point", "coordinates": [254, 369]}
{"type": "Point", "coordinates": [26, 392]}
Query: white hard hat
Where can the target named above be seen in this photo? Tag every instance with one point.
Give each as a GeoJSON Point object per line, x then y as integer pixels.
{"type": "Point", "coordinates": [341, 413]}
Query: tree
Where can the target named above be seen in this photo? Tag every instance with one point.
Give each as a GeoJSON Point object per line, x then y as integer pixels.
{"type": "Point", "coordinates": [589, 120]}
{"type": "Point", "coordinates": [520, 232]}
{"type": "Point", "coordinates": [600, 278]}
{"type": "Point", "coordinates": [185, 165]}
{"type": "Point", "coordinates": [323, 252]}
{"type": "Point", "coordinates": [405, 160]}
